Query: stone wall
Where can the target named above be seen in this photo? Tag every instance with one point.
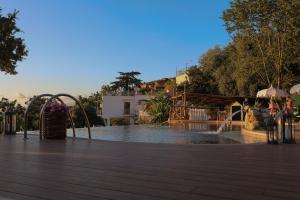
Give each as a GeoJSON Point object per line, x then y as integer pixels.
{"type": "Point", "coordinates": [255, 119]}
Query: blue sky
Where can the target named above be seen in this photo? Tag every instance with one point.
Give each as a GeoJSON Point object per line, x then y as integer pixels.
{"type": "Point", "coordinates": [75, 46]}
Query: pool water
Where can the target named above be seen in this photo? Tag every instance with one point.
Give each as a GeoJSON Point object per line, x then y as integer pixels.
{"type": "Point", "coordinates": [189, 133]}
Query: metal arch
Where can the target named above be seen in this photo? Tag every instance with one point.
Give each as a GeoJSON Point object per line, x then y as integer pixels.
{"type": "Point", "coordinates": [76, 101]}
{"type": "Point", "coordinates": [29, 106]}
{"type": "Point", "coordinates": [69, 114]}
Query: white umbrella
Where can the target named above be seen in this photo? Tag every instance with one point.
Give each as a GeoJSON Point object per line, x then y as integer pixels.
{"type": "Point", "coordinates": [262, 94]}
{"type": "Point", "coordinates": [295, 89]}
{"type": "Point", "coordinates": [271, 92]}
{"type": "Point", "coordinates": [276, 92]}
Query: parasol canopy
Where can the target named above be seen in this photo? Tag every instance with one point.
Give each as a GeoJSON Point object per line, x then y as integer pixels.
{"type": "Point", "coordinates": [262, 94]}
{"type": "Point", "coordinates": [271, 92]}
{"type": "Point", "coordinates": [295, 89]}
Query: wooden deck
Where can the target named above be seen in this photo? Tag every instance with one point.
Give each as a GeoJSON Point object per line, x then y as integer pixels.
{"type": "Point", "coordinates": [80, 169]}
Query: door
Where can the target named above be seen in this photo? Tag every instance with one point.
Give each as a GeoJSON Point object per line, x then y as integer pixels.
{"type": "Point", "coordinates": [126, 108]}
{"type": "Point", "coordinates": [237, 116]}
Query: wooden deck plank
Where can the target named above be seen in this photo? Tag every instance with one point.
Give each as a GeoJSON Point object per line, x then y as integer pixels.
{"type": "Point", "coordinates": [83, 169]}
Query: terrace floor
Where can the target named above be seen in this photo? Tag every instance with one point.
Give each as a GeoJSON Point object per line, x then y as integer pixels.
{"type": "Point", "coordinates": [82, 169]}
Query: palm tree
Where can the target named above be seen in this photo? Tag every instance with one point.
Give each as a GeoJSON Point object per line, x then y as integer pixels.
{"type": "Point", "coordinates": [5, 104]}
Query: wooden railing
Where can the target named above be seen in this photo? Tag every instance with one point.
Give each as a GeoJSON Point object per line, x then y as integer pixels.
{"type": "Point", "coordinates": [179, 113]}
{"type": "Point", "coordinates": [182, 112]}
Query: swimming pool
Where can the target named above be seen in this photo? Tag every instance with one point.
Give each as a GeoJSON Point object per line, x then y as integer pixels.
{"type": "Point", "coordinates": [188, 133]}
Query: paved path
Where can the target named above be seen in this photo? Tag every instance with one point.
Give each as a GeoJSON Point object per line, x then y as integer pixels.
{"type": "Point", "coordinates": [33, 169]}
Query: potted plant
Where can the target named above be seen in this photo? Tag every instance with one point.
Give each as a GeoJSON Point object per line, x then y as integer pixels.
{"type": "Point", "coordinates": [55, 121]}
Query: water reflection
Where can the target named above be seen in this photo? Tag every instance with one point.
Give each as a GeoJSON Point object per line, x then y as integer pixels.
{"type": "Point", "coordinates": [187, 133]}
{"type": "Point", "coordinates": [206, 127]}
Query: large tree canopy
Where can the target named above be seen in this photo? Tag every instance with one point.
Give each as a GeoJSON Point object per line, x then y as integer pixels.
{"type": "Point", "coordinates": [265, 49]}
{"type": "Point", "coordinates": [90, 106]}
{"type": "Point", "coordinates": [271, 30]}
{"type": "Point", "coordinates": [126, 81]}
{"type": "Point", "coordinates": [12, 47]}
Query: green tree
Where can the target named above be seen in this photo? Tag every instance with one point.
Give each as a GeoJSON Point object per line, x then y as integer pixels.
{"type": "Point", "coordinates": [201, 81]}
{"type": "Point", "coordinates": [126, 81]}
{"type": "Point", "coordinates": [107, 90]}
{"type": "Point", "coordinates": [216, 71]}
{"type": "Point", "coordinates": [90, 107]}
{"type": "Point", "coordinates": [12, 47]}
{"type": "Point", "coordinates": [159, 108]}
{"type": "Point", "coordinates": [247, 70]}
{"type": "Point", "coordinates": [223, 74]}
{"type": "Point", "coordinates": [204, 77]}
{"type": "Point", "coordinates": [20, 110]}
{"type": "Point", "coordinates": [272, 29]}
{"type": "Point", "coordinates": [228, 71]}
{"type": "Point", "coordinates": [4, 104]}
{"type": "Point", "coordinates": [170, 86]}
{"type": "Point", "coordinates": [145, 91]}
{"type": "Point", "coordinates": [33, 115]}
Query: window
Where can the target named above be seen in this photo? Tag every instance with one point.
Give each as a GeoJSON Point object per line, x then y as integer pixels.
{"type": "Point", "coordinates": [126, 108]}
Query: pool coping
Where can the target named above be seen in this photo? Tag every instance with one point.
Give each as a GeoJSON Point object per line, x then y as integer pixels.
{"type": "Point", "coordinates": [257, 133]}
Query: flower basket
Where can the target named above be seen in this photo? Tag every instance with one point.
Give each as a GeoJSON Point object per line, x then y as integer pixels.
{"type": "Point", "coordinates": [55, 121]}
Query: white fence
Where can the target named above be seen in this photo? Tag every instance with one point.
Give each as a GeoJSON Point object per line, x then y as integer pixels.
{"type": "Point", "coordinates": [196, 114]}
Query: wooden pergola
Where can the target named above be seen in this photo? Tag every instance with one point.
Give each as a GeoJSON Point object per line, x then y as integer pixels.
{"type": "Point", "coordinates": [182, 102]}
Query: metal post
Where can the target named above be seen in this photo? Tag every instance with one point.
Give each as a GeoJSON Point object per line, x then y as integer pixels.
{"type": "Point", "coordinates": [294, 131]}
{"type": "Point", "coordinates": [184, 100]}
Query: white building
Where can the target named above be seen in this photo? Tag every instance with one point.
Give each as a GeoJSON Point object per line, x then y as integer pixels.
{"type": "Point", "coordinates": [182, 76]}
{"type": "Point", "coordinates": [123, 106]}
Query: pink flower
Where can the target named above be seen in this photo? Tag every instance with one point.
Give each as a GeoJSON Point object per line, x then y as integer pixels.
{"type": "Point", "coordinates": [55, 106]}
